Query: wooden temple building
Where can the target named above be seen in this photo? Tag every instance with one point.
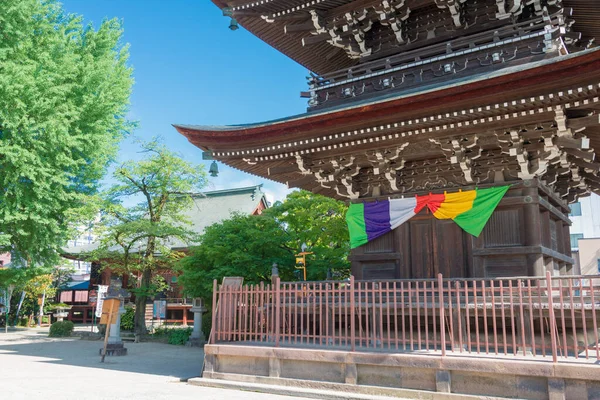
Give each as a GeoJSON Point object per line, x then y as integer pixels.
{"type": "Point", "coordinates": [410, 97]}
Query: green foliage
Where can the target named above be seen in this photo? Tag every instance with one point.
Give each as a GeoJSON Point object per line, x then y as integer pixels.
{"type": "Point", "coordinates": [163, 184]}
{"type": "Point", "coordinates": [174, 335]}
{"type": "Point", "coordinates": [56, 306]}
{"type": "Point", "coordinates": [64, 91]}
{"type": "Point", "coordinates": [248, 246]}
{"type": "Point", "coordinates": [127, 319]}
{"type": "Point", "coordinates": [61, 329]}
{"type": "Point", "coordinates": [179, 336]}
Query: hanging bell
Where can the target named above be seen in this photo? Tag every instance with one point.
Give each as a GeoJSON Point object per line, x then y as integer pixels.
{"type": "Point", "coordinates": [233, 25]}
{"type": "Point", "coordinates": [214, 169]}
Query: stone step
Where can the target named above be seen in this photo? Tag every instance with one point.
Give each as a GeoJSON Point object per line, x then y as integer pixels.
{"type": "Point", "coordinates": [325, 390]}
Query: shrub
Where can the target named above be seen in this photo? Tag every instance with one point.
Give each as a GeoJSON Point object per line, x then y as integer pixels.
{"type": "Point", "coordinates": [61, 329]}
{"type": "Point", "coordinates": [179, 336]}
{"type": "Point", "coordinates": [127, 319]}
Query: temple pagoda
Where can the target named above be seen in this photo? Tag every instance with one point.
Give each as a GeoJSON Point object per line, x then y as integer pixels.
{"type": "Point", "coordinates": [412, 97]}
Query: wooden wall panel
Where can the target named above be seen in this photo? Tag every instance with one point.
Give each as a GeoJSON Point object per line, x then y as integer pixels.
{"type": "Point", "coordinates": [449, 250]}
{"type": "Point", "coordinates": [504, 228]}
{"type": "Point", "coordinates": [378, 270]}
{"type": "Point", "coordinates": [501, 267]}
{"type": "Point", "coordinates": [421, 249]}
{"type": "Point", "coordinates": [383, 244]}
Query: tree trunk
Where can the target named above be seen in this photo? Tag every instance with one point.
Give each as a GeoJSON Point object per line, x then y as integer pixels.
{"type": "Point", "coordinates": [21, 300]}
{"type": "Point", "coordinates": [9, 293]}
{"type": "Point", "coordinates": [41, 313]}
{"type": "Point", "coordinates": [140, 305]}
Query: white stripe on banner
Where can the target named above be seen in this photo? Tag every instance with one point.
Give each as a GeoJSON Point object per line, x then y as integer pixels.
{"type": "Point", "coordinates": [401, 210]}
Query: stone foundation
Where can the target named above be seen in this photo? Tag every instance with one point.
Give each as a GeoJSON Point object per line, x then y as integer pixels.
{"type": "Point", "coordinates": [114, 349]}
{"type": "Point", "coordinates": [500, 377]}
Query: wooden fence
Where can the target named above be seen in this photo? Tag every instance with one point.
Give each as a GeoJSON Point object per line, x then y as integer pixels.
{"type": "Point", "coordinates": [551, 317]}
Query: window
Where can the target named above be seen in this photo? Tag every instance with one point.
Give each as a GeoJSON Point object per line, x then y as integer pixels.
{"type": "Point", "coordinates": [575, 210]}
{"type": "Point", "coordinates": [575, 239]}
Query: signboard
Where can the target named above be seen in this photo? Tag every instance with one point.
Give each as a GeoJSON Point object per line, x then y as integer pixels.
{"type": "Point", "coordinates": [233, 282]}
{"type": "Point", "coordinates": [102, 290]}
{"type": "Point", "coordinates": [160, 309]}
{"type": "Point", "coordinates": [110, 311]}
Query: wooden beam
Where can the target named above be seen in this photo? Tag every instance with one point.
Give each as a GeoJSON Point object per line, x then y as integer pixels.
{"type": "Point", "coordinates": [583, 122]}
{"type": "Point", "coordinates": [298, 183]}
{"type": "Point", "coordinates": [584, 164]}
{"type": "Point", "coordinates": [570, 143]}
{"type": "Point", "coordinates": [585, 155]}
{"type": "Point", "coordinates": [303, 27]}
{"type": "Point", "coordinates": [284, 169]}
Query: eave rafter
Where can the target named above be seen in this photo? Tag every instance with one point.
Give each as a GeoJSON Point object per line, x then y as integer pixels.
{"type": "Point", "coordinates": [554, 149]}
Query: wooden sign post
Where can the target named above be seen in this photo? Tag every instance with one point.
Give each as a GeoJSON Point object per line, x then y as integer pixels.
{"type": "Point", "coordinates": [110, 311]}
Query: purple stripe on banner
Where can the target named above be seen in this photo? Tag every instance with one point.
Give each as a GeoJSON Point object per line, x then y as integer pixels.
{"type": "Point", "coordinates": [377, 219]}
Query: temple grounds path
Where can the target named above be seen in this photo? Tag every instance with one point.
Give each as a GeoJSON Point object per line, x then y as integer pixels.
{"type": "Point", "coordinates": [35, 366]}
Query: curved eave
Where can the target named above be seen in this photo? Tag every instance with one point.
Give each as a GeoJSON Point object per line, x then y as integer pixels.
{"type": "Point", "coordinates": [322, 58]}
{"type": "Point", "coordinates": [532, 79]}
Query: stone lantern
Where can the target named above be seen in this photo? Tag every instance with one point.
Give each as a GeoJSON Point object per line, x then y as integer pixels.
{"type": "Point", "coordinates": [197, 338]}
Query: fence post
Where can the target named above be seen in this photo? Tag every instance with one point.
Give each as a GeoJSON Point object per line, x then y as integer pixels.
{"type": "Point", "coordinates": [352, 315]}
{"type": "Point", "coordinates": [277, 309]}
{"type": "Point", "coordinates": [213, 328]}
{"type": "Point", "coordinates": [442, 317]}
{"type": "Point", "coordinates": [551, 317]}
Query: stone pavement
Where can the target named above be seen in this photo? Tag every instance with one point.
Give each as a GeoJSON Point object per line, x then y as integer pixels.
{"type": "Point", "coordinates": [35, 366]}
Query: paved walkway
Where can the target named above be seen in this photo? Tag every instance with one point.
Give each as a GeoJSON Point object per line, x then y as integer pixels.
{"type": "Point", "coordinates": [35, 366]}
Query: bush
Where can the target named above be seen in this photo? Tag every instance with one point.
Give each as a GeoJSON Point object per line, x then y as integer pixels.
{"type": "Point", "coordinates": [179, 336]}
{"type": "Point", "coordinates": [127, 319]}
{"type": "Point", "coordinates": [61, 329]}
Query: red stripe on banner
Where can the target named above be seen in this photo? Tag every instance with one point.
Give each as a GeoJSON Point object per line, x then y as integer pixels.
{"type": "Point", "coordinates": [432, 201]}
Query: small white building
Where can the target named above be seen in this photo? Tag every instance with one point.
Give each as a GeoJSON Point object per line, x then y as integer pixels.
{"type": "Point", "coordinates": [585, 234]}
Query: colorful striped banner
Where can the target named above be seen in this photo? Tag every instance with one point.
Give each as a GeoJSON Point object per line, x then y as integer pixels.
{"type": "Point", "coordinates": [469, 209]}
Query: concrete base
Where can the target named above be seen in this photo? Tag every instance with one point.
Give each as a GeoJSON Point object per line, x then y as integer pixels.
{"type": "Point", "coordinates": [382, 373]}
{"type": "Point", "coordinates": [114, 350]}
{"type": "Point", "coordinates": [195, 342]}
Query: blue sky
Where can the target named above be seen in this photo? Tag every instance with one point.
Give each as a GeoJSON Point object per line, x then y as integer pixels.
{"type": "Point", "coordinates": [189, 68]}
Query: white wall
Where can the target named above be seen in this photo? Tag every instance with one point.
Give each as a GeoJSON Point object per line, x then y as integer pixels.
{"type": "Point", "coordinates": [588, 224]}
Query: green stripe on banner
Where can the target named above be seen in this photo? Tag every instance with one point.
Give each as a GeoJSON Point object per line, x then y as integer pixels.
{"type": "Point", "coordinates": [355, 217]}
{"type": "Point", "coordinates": [486, 201]}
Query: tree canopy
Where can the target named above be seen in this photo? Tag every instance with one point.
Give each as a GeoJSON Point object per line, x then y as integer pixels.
{"type": "Point", "coordinates": [64, 92]}
{"type": "Point", "coordinates": [248, 246]}
{"type": "Point", "coordinates": [136, 239]}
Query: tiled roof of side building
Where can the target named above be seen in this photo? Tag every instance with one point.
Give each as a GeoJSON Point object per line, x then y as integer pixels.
{"type": "Point", "coordinates": [208, 208]}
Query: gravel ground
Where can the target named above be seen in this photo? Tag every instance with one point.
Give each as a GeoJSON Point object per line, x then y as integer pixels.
{"type": "Point", "coordinates": [35, 366]}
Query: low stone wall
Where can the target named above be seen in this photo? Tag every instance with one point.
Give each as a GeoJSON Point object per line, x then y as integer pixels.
{"type": "Point", "coordinates": [500, 377]}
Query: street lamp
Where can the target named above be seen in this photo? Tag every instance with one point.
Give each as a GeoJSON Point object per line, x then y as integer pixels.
{"type": "Point", "coordinates": [301, 259]}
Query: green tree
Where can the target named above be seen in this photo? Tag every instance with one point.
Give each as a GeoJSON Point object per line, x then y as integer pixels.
{"type": "Point", "coordinates": [248, 246]}
{"type": "Point", "coordinates": [64, 92]}
{"type": "Point", "coordinates": [11, 279]}
{"type": "Point", "coordinates": [40, 287]}
{"type": "Point", "coordinates": [136, 239]}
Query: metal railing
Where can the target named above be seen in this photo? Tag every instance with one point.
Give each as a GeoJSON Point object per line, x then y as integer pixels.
{"type": "Point", "coordinates": [179, 301]}
{"type": "Point", "coordinates": [525, 317]}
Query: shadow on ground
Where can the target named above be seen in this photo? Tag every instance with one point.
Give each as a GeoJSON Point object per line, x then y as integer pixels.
{"type": "Point", "coordinates": [179, 362]}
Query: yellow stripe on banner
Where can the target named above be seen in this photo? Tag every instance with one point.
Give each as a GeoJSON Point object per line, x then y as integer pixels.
{"type": "Point", "coordinates": [455, 204]}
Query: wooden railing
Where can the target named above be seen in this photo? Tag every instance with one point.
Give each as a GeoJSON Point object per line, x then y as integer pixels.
{"type": "Point", "coordinates": [525, 317]}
